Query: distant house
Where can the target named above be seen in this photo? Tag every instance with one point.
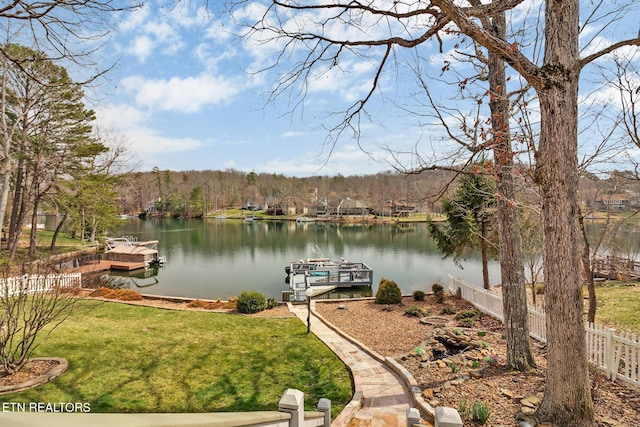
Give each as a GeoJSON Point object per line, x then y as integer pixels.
{"type": "Point", "coordinates": [288, 205]}
{"type": "Point", "coordinates": [402, 208]}
{"type": "Point", "coordinates": [348, 207]}
{"type": "Point", "coordinates": [321, 208]}
{"type": "Point", "coordinates": [612, 202]}
{"type": "Point", "coordinates": [396, 208]}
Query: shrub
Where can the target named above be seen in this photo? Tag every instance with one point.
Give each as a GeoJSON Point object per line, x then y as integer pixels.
{"type": "Point", "coordinates": [388, 292]}
{"type": "Point", "coordinates": [467, 323]}
{"type": "Point", "coordinates": [418, 296]}
{"type": "Point", "coordinates": [251, 302]}
{"type": "Point", "coordinates": [414, 312]}
{"type": "Point", "coordinates": [438, 292]}
{"type": "Point", "coordinates": [448, 310]}
{"type": "Point", "coordinates": [271, 303]}
{"type": "Point", "coordinates": [467, 314]}
{"type": "Point", "coordinates": [463, 408]}
{"type": "Point", "coordinates": [480, 412]}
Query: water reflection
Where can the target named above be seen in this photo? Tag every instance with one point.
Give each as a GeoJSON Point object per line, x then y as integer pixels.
{"type": "Point", "coordinates": [220, 258]}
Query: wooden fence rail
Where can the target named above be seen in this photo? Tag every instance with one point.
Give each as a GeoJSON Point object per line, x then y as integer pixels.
{"type": "Point", "coordinates": [617, 353]}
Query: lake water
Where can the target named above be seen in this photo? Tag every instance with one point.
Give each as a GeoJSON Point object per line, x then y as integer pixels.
{"type": "Point", "coordinates": [213, 259]}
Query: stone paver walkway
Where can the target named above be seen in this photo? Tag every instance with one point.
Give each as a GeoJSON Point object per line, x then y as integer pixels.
{"type": "Point", "coordinates": [385, 398]}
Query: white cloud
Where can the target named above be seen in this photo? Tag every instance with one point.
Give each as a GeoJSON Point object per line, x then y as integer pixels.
{"type": "Point", "coordinates": [136, 18]}
{"type": "Point", "coordinates": [345, 159]}
{"type": "Point", "coordinates": [147, 31]}
{"type": "Point", "coordinates": [143, 141]}
{"type": "Point", "coordinates": [187, 95]}
{"type": "Point", "coordinates": [294, 134]}
{"type": "Point", "coordinates": [141, 48]}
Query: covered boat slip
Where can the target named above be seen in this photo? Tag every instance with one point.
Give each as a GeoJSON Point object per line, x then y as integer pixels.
{"type": "Point", "coordinates": [323, 279]}
{"type": "Point", "coordinates": [128, 250]}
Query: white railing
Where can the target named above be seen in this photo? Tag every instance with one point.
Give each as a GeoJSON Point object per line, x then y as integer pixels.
{"type": "Point", "coordinates": [38, 283]}
{"type": "Point", "coordinates": [290, 413]}
{"type": "Point", "coordinates": [617, 353]}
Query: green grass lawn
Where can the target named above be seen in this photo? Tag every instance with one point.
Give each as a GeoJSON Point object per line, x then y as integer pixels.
{"type": "Point", "coordinates": [618, 306]}
{"type": "Point", "coordinates": [137, 359]}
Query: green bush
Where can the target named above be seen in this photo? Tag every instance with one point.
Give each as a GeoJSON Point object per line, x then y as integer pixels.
{"type": "Point", "coordinates": [251, 302]}
{"type": "Point", "coordinates": [388, 292]}
{"type": "Point", "coordinates": [467, 323]}
{"type": "Point", "coordinates": [271, 303]}
{"type": "Point", "coordinates": [480, 412]}
{"type": "Point", "coordinates": [414, 312]}
{"type": "Point", "coordinates": [467, 314]}
{"type": "Point", "coordinates": [418, 296]}
{"type": "Point", "coordinates": [438, 292]}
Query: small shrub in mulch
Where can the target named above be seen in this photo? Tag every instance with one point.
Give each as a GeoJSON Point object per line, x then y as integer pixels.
{"type": "Point", "coordinates": [388, 292]}
{"type": "Point", "coordinates": [438, 292]}
{"type": "Point", "coordinates": [250, 302]}
{"type": "Point", "coordinates": [414, 312]}
{"type": "Point", "coordinates": [467, 314]}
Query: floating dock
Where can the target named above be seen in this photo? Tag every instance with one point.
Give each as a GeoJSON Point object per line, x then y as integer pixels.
{"type": "Point", "coordinates": [108, 265]}
{"type": "Point", "coordinates": [324, 277]}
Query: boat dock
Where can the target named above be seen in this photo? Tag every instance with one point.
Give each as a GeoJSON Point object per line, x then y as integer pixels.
{"type": "Point", "coordinates": [108, 265]}
{"type": "Point", "coordinates": [325, 277]}
{"type": "Point", "coordinates": [121, 254]}
{"type": "Point", "coordinates": [616, 268]}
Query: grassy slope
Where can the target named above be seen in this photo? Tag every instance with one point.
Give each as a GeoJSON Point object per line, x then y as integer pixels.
{"type": "Point", "coordinates": [135, 359]}
{"type": "Point", "coordinates": [618, 306]}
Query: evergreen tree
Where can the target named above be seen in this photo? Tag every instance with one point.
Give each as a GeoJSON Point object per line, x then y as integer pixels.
{"type": "Point", "coordinates": [470, 213]}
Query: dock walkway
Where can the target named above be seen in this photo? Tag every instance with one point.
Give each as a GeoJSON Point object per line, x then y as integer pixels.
{"type": "Point", "coordinates": [385, 399]}
{"type": "Point", "coordinates": [108, 265]}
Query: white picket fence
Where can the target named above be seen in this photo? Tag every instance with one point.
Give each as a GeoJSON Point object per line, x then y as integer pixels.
{"type": "Point", "coordinates": [617, 353]}
{"type": "Point", "coordinates": [37, 283]}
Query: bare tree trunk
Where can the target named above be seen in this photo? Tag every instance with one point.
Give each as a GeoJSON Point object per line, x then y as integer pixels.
{"type": "Point", "coordinates": [567, 382]}
{"type": "Point", "coordinates": [34, 229]}
{"type": "Point", "coordinates": [588, 272]}
{"type": "Point", "coordinates": [514, 291]}
{"type": "Point", "coordinates": [485, 255]}
{"type": "Point", "coordinates": [6, 187]}
{"type": "Point", "coordinates": [56, 232]}
{"type": "Point", "coordinates": [15, 207]}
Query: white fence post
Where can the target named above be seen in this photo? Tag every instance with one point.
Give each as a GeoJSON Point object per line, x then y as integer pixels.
{"type": "Point", "coordinates": [35, 283]}
{"type": "Point", "coordinates": [324, 406]}
{"type": "Point", "coordinates": [413, 417]}
{"type": "Point", "coordinates": [610, 354]}
{"type": "Point", "coordinates": [607, 349]}
{"type": "Point", "coordinates": [292, 402]}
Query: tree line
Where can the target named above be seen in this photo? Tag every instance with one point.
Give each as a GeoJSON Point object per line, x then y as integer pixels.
{"type": "Point", "coordinates": [52, 157]}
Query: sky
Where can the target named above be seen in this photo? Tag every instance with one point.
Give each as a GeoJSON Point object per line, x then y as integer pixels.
{"type": "Point", "coordinates": [185, 94]}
